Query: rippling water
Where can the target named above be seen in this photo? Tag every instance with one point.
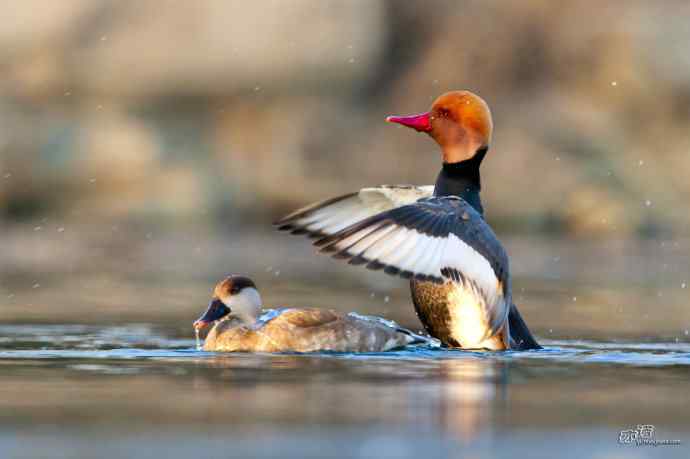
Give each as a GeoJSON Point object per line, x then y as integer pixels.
{"type": "Point", "coordinates": [139, 341]}
{"type": "Point", "coordinates": [81, 390]}
{"type": "Point", "coordinates": [98, 358]}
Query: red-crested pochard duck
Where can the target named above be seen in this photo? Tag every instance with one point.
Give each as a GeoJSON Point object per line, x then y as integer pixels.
{"type": "Point", "coordinates": [241, 325]}
{"type": "Point", "coordinates": [435, 236]}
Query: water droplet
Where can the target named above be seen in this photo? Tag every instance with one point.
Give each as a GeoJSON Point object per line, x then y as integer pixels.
{"type": "Point", "coordinates": [351, 60]}
{"type": "Point", "coordinates": [38, 228]}
{"type": "Point", "coordinates": [92, 180]}
{"type": "Point", "coordinates": [640, 163]}
{"type": "Point", "coordinates": [372, 295]}
{"type": "Point", "coordinates": [614, 83]}
{"type": "Point", "coordinates": [277, 273]}
{"type": "Point", "coordinates": [574, 298]}
{"type": "Point", "coordinates": [550, 330]}
{"type": "Point", "coordinates": [68, 93]}
{"type": "Point", "coordinates": [198, 340]}
{"type": "Point", "coordinates": [683, 285]}
{"type": "Point", "coordinates": [257, 88]}
{"type": "Point", "coordinates": [686, 332]}
{"type": "Point", "coordinates": [36, 285]}
{"type": "Point", "coordinates": [386, 299]}
{"type": "Point", "coordinates": [648, 203]}
{"type": "Point", "coordinates": [269, 269]}
{"type": "Point", "coordinates": [11, 295]}
{"type": "Point", "coordinates": [8, 175]}
{"type": "Point", "coordinates": [61, 230]}
{"type": "Point", "coordinates": [104, 38]}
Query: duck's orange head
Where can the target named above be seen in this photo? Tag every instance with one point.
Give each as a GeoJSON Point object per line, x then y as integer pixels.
{"type": "Point", "coordinates": [459, 121]}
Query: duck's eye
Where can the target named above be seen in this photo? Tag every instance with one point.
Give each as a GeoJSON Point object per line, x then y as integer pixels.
{"type": "Point", "coordinates": [443, 113]}
{"type": "Point", "coordinates": [234, 290]}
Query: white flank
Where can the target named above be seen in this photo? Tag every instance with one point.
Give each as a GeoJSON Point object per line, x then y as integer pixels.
{"type": "Point", "coordinates": [471, 264]}
{"type": "Point", "coordinates": [469, 316]}
{"type": "Point", "coordinates": [474, 323]}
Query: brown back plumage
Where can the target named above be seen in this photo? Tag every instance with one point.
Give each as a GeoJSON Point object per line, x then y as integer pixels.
{"type": "Point", "coordinates": [308, 330]}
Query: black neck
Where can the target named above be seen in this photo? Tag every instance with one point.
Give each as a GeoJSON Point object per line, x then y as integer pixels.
{"type": "Point", "coordinates": [462, 179]}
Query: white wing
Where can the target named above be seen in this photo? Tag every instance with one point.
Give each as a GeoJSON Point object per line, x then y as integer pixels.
{"type": "Point", "coordinates": [332, 215]}
{"type": "Point", "coordinates": [439, 239]}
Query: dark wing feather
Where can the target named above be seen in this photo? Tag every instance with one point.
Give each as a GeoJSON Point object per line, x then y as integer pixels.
{"type": "Point", "coordinates": [420, 240]}
{"type": "Point", "coordinates": [332, 215]}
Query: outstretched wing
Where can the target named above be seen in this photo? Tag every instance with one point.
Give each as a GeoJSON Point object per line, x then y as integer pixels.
{"type": "Point", "coordinates": [429, 240]}
{"type": "Point", "coordinates": [438, 239]}
{"type": "Point", "coordinates": [330, 216]}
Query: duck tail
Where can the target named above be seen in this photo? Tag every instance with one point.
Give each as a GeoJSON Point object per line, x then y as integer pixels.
{"type": "Point", "coordinates": [521, 337]}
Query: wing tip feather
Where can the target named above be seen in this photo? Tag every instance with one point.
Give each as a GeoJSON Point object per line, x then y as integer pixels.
{"type": "Point", "coordinates": [302, 212]}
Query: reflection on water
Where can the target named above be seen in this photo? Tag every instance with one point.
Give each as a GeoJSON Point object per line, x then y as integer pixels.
{"type": "Point", "coordinates": [129, 378]}
{"type": "Point", "coordinates": [72, 387]}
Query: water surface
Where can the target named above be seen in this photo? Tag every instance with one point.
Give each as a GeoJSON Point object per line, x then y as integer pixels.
{"type": "Point", "coordinates": [125, 390]}
{"type": "Point", "coordinates": [97, 356]}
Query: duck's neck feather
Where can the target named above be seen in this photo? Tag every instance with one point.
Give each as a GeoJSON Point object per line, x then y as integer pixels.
{"type": "Point", "coordinates": [462, 179]}
{"type": "Point", "coordinates": [241, 319]}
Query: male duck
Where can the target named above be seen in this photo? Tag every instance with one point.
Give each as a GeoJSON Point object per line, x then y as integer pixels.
{"type": "Point", "coordinates": [435, 236]}
{"type": "Point", "coordinates": [242, 326]}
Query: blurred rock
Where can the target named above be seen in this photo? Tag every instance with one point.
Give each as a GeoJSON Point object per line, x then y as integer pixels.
{"type": "Point", "coordinates": [248, 110]}
{"type": "Point", "coordinates": [134, 48]}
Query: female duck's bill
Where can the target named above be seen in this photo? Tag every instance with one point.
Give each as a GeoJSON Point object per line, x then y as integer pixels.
{"type": "Point", "coordinates": [216, 311]}
{"type": "Point", "coordinates": [241, 325]}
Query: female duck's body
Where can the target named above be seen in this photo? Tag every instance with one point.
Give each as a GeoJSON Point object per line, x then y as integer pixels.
{"type": "Point", "coordinates": [243, 327]}
{"type": "Point", "coordinates": [306, 330]}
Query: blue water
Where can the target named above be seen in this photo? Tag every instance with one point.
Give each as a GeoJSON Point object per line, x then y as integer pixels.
{"type": "Point", "coordinates": [140, 341]}
{"type": "Point", "coordinates": [144, 391]}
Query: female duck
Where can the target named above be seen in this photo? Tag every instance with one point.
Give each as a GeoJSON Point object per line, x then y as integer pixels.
{"type": "Point", "coordinates": [242, 326]}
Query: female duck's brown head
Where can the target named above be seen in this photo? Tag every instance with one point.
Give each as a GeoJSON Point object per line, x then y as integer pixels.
{"type": "Point", "coordinates": [459, 121]}
{"type": "Point", "coordinates": [235, 295]}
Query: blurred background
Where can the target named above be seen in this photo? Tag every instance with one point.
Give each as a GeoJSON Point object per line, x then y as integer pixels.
{"type": "Point", "coordinates": [146, 146]}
